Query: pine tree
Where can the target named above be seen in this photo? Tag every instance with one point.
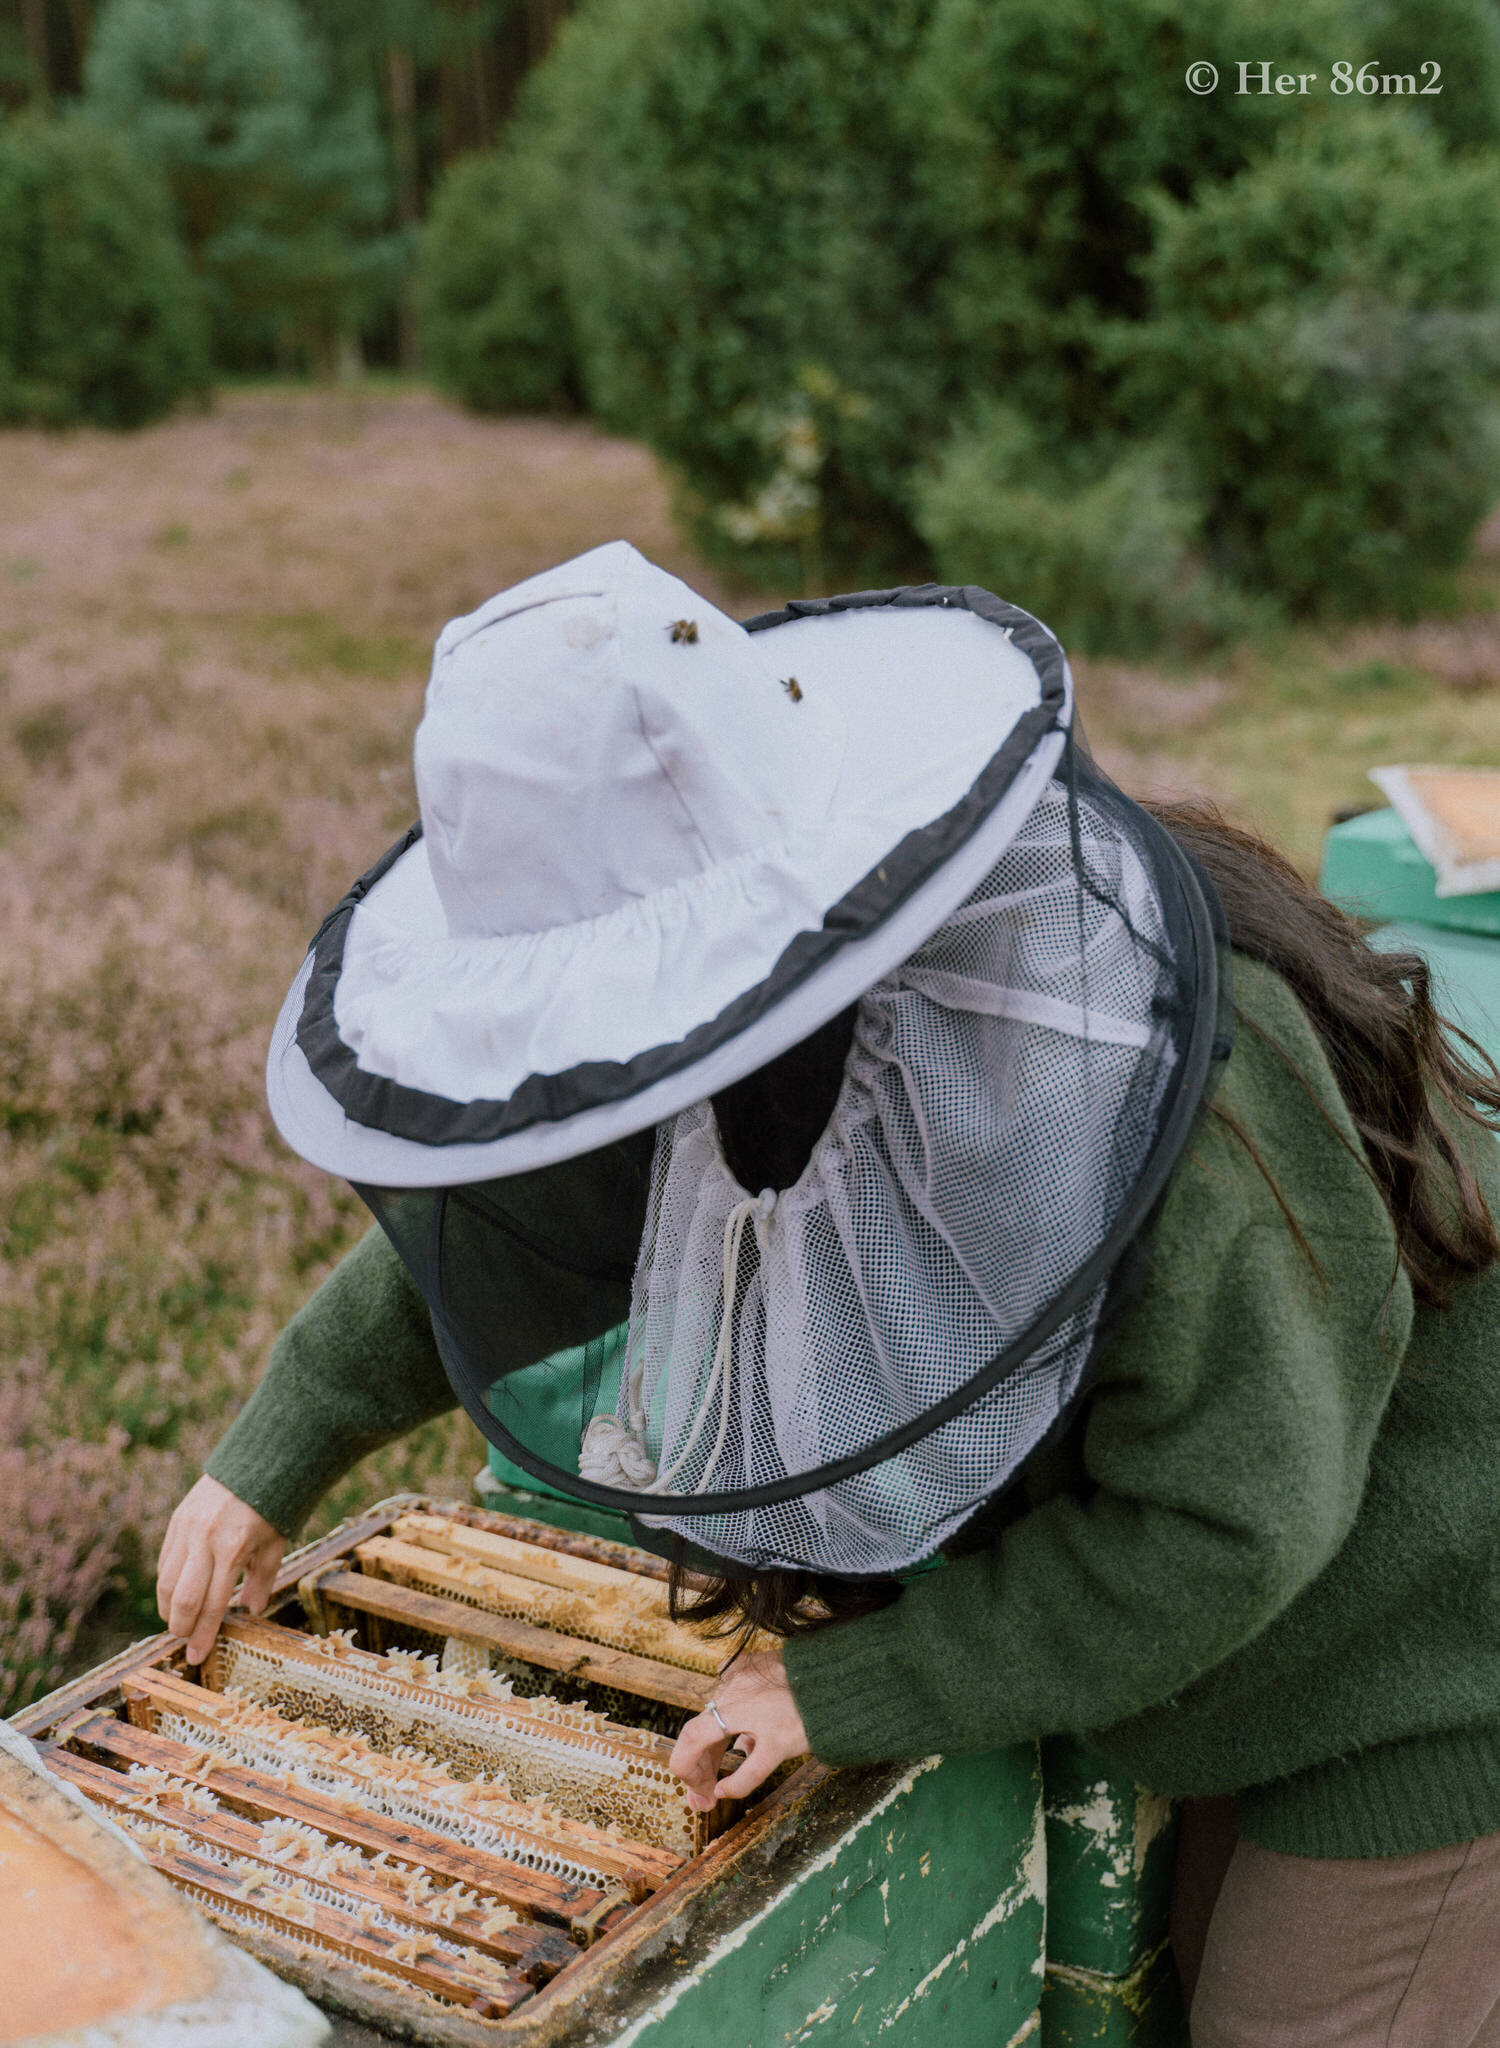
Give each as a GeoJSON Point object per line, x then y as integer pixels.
{"type": "Point", "coordinates": [279, 173]}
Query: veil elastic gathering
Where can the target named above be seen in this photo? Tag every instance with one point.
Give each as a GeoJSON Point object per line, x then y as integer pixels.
{"type": "Point", "coordinates": [1002, 1091]}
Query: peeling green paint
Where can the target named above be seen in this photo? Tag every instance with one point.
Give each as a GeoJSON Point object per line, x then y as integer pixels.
{"type": "Point", "coordinates": [1110, 1849]}
{"type": "Point", "coordinates": [828, 1961]}
{"type": "Point", "coordinates": [1087, 2009]}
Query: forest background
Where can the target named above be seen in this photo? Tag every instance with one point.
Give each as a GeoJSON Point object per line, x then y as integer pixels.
{"type": "Point", "coordinates": [321, 320]}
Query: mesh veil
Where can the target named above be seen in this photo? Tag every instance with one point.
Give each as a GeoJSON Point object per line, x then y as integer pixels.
{"type": "Point", "coordinates": [837, 1376]}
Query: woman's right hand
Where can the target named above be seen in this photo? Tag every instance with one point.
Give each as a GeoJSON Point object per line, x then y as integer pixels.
{"type": "Point", "coordinates": [212, 1538]}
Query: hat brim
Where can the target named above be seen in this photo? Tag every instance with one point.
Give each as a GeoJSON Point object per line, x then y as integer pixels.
{"type": "Point", "coordinates": [534, 1050]}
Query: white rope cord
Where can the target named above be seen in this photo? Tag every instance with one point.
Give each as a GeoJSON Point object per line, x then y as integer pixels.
{"type": "Point", "coordinates": [614, 1454]}
{"type": "Point", "coordinates": [760, 1207]}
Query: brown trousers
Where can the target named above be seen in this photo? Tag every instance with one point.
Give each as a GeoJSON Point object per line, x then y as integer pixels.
{"type": "Point", "coordinates": [1335, 1952]}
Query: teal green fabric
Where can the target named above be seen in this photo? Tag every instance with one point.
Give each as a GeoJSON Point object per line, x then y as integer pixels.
{"type": "Point", "coordinates": [1265, 1561]}
{"type": "Point", "coordinates": [551, 1393]}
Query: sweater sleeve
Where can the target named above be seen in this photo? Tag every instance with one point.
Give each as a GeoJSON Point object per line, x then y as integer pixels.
{"type": "Point", "coordinates": [1225, 1454]}
{"type": "Point", "coordinates": [355, 1367]}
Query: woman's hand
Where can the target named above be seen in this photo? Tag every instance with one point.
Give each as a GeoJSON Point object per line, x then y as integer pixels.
{"type": "Point", "coordinates": [755, 1702]}
{"type": "Point", "coordinates": [212, 1537]}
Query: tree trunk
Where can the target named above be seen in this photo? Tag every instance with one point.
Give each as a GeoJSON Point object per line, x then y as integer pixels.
{"type": "Point", "coordinates": [482, 85]}
{"type": "Point", "coordinates": [401, 93]}
{"type": "Point", "coordinates": [80, 21]}
{"type": "Point", "coordinates": [543, 19]}
{"type": "Point", "coordinates": [522, 39]}
{"type": "Point", "coordinates": [468, 84]}
{"type": "Point", "coordinates": [34, 24]}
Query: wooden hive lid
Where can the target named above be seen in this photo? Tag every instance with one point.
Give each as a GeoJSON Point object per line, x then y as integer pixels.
{"type": "Point", "coordinates": [1453, 814]}
{"type": "Point", "coordinates": [92, 1938]}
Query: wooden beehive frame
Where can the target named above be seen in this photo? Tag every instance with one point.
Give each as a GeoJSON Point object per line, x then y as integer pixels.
{"type": "Point", "coordinates": [587, 1601]}
{"type": "Point", "coordinates": [403, 1864]}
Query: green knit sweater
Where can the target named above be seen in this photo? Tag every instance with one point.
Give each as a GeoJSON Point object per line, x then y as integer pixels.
{"type": "Point", "coordinates": [1266, 1561]}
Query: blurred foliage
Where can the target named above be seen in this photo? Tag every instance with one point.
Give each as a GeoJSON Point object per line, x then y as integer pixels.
{"type": "Point", "coordinates": [301, 138]}
{"type": "Point", "coordinates": [495, 321]}
{"type": "Point", "coordinates": [1322, 342]}
{"type": "Point", "coordinates": [727, 194]}
{"type": "Point", "coordinates": [1045, 123]}
{"type": "Point", "coordinates": [1460, 36]}
{"type": "Point", "coordinates": [99, 315]}
{"type": "Point", "coordinates": [17, 83]}
{"type": "Point", "coordinates": [1105, 552]}
{"type": "Point", "coordinates": [280, 183]}
{"type": "Point", "coordinates": [957, 284]}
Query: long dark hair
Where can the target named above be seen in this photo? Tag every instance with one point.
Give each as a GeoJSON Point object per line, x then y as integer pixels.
{"type": "Point", "coordinates": [1415, 1087]}
{"type": "Point", "coordinates": [1414, 1084]}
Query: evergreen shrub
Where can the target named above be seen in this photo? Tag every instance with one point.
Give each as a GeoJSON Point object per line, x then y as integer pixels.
{"type": "Point", "coordinates": [280, 180]}
{"type": "Point", "coordinates": [827, 263]}
{"type": "Point", "coordinates": [1046, 123]}
{"type": "Point", "coordinates": [1462, 37]}
{"type": "Point", "coordinates": [745, 262]}
{"type": "Point", "coordinates": [1322, 344]}
{"type": "Point", "coordinates": [1106, 552]}
{"type": "Point", "coordinates": [495, 325]}
{"type": "Point", "coordinates": [100, 319]}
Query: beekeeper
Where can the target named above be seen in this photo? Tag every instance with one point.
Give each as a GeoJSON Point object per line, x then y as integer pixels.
{"type": "Point", "coordinates": [801, 995]}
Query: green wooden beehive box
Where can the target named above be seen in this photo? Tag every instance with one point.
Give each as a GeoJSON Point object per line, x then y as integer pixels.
{"type": "Point", "coordinates": [1372, 867]}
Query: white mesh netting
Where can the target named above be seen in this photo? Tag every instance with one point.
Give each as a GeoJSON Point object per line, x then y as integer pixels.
{"type": "Point", "coordinates": [999, 1100]}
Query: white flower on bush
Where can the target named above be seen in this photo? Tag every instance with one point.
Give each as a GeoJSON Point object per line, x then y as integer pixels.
{"type": "Point", "coordinates": [789, 505]}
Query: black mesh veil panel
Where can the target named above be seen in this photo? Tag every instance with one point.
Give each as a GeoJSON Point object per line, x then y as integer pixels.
{"type": "Point", "coordinates": [840, 1374]}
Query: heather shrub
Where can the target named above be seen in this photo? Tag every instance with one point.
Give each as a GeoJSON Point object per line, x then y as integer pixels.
{"type": "Point", "coordinates": [157, 1235]}
{"type": "Point", "coordinates": [75, 1506]}
{"type": "Point", "coordinates": [100, 318]}
{"type": "Point", "coordinates": [1321, 343]}
{"type": "Point", "coordinates": [195, 760]}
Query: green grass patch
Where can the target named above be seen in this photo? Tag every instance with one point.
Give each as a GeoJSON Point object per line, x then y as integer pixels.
{"type": "Point", "coordinates": [315, 642]}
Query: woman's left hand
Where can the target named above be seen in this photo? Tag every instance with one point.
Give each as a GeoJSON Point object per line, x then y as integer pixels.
{"type": "Point", "coordinates": [755, 1702]}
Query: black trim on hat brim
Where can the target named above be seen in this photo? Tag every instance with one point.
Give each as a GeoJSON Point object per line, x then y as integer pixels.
{"type": "Point", "coordinates": [377, 1102]}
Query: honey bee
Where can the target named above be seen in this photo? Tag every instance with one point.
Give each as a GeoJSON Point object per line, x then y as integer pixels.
{"type": "Point", "coordinates": [684, 631]}
{"type": "Point", "coordinates": [793, 688]}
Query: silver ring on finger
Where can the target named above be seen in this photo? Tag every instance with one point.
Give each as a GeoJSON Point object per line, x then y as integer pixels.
{"type": "Point", "coordinates": [713, 1708]}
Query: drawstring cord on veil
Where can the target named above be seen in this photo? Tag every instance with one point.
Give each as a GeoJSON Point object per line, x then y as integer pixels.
{"type": "Point", "coordinates": [613, 1453]}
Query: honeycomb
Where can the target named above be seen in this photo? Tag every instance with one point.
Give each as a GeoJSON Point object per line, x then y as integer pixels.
{"type": "Point", "coordinates": [573, 1597]}
{"type": "Point", "coordinates": [588, 1768]}
{"type": "Point", "coordinates": [240, 1892]}
{"type": "Point", "coordinates": [410, 1786]}
{"type": "Point", "coordinates": [397, 1803]}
